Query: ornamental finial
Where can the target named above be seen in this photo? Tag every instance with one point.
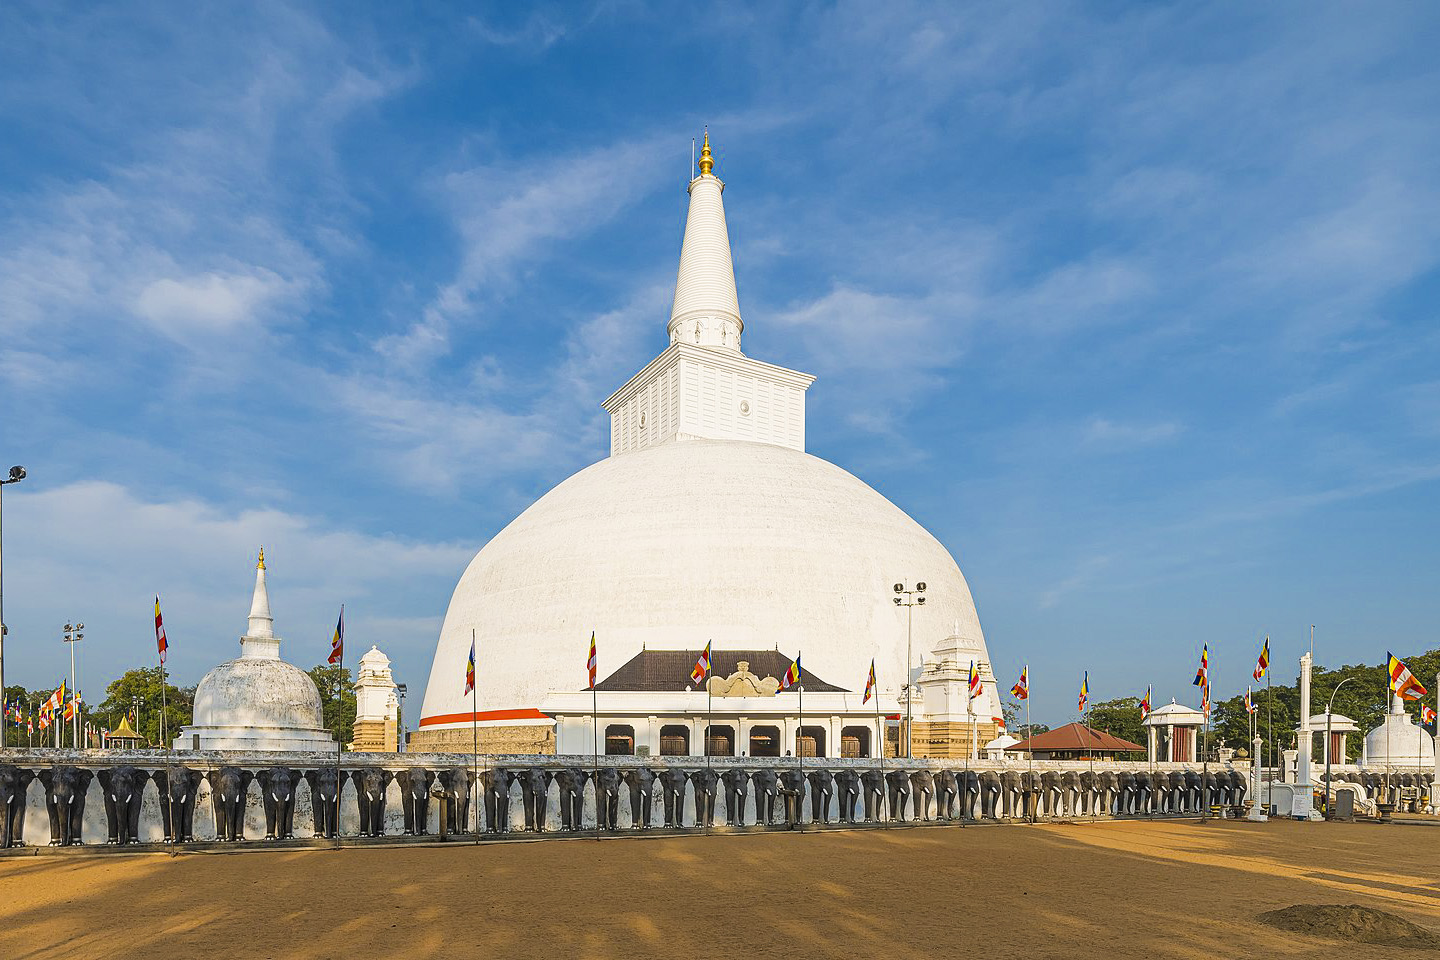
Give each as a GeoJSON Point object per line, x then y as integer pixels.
{"type": "Point", "coordinates": [707, 162]}
{"type": "Point", "coordinates": [261, 564]}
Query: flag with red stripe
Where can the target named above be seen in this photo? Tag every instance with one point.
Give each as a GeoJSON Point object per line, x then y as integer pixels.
{"type": "Point", "coordinates": [1021, 690]}
{"type": "Point", "coordinates": [160, 640]}
{"type": "Point", "coordinates": [792, 676]}
{"type": "Point", "coordinates": [1403, 682]}
{"type": "Point", "coordinates": [337, 642]}
{"type": "Point", "coordinates": [702, 666]}
{"type": "Point", "coordinates": [870, 683]}
{"type": "Point", "coordinates": [592, 662]}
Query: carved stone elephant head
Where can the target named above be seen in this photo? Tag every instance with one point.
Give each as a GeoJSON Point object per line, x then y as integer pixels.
{"type": "Point", "coordinates": [229, 789]}
{"type": "Point", "coordinates": [922, 788]}
{"type": "Point", "coordinates": [535, 796]}
{"type": "Point", "coordinates": [414, 783]}
{"type": "Point", "coordinates": [277, 794]}
{"type": "Point", "coordinates": [947, 791]}
{"type": "Point", "coordinates": [122, 788]}
{"type": "Point", "coordinates": [14, 784]}
{"type": "Point", "coordinates": [607, 798]}
{"type": "Point", "coordinates": [672, 786]}
{"type": "Point", "coordinates": [571, 781]}
{"type": "Point", "coordinates": [736, 780]}
{"type": "Point", "coordinates": [767, 790]}
{"type": "Point", "coordinates": [370, 786]}
{"type": "Point", "coordinates": [326, 785]}
{"type": "Point", "coordinates": [847, 791]}
{"type": "Point", "coordinates": [705, 782]}
{"type": "Point", "coordinates": [822, 789]}
{"type": "Point", "coordinates": [641, 781]}
{"type": "Point", "coordinates": [178, 788]}
{"type": "Point", "coordinates": [495, 784]}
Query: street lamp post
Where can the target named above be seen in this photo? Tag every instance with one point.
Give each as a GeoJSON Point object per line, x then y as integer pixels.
{"type": "Point", "coordinates": [16, 475]}
{"type": "Point", "coordinates": [73, 635]}
{"type": "Point", "coordinates": [909, 599]}
{"type": "Point", "coordinates": [1329, 713]}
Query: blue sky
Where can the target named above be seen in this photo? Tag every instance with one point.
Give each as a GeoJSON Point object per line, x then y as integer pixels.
{"type": "Point", "coordinates": [1132, 306]}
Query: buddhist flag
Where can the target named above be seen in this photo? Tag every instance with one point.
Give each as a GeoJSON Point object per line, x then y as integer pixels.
{"type": "Point", "coordinates": [1249, 701]}
{"type": "Point", "coordinates": [337, 642]}
{"type": "Point", "coordinates": [1021, 690]}
{"type": "Point", "coordinates": [1427, 720]}
{"type": "Point", "coordinates": [160, 640]}
{"type": "Point", "coordinates": [592, 662]}
{"type": "Point", "coordinates": [792, 676]}
{"type": "Point", "coordinates": [44, 719]}
{"type": "Point", "coordinates": [29, 724]}
{"type": "Point", "coordinates": [869, 683]}
{"type": "Point", "coordinates": [1263, 664]}
{"type": "Point", "coordinates": [1202, 675]}
{"type": "Point", "coordinates": [1084, 691]}
{"type": "Point", "coordinates": [702, 666]}
{"type": "Point", "coordinates": [470, 667]}
{"type": "Point", "coordinates": [71, 706]}
{"type": "Point", "coordinates": [1403, 682]}
{"type": "Point", "coordinates": [975, 688]}
{"type": "Point", "coordinates": [1145, 704]}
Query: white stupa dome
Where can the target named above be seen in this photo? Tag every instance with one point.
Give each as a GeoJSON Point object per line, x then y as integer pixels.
{"type": "Point", "coordinates": [257, 701]}
{"type": "Point", "coordinates": [747, 545]}
{"type": "Point", "coordinates": [1398, 741]}
{"type": "Point", "coordinates": [708, 523]}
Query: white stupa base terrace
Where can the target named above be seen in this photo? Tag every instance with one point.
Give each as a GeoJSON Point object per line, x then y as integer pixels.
{"type": "Point", "coordinates": [266, 739]}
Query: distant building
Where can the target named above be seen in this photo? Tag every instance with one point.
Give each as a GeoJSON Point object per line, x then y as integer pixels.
{"type": "Point", "coordinates": [1075, 741]}
{"type": "Point", "coordinates": [377, 706]}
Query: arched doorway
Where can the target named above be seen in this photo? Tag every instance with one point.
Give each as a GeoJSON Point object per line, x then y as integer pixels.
{"type": "Point", "coordinates": [810, 742]}
{"type": "Point", "coordinates": [855, 742]}
{"type": "Point", "coordinates": [674, 740]}
{"type": "Point", "coordinates": [619, 740]}
{"type": "Point", "coordinates": [720, 741]}
{"type": "Point", "coordinates": [764, 741]}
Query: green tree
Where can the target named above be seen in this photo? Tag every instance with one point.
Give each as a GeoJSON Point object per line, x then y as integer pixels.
{"type": "Point", "coordinates": [142, 686]}
{"type": "Point", "coordinates": [1119, 718]}
{"type": "Point", "coordinates": [337, 710]}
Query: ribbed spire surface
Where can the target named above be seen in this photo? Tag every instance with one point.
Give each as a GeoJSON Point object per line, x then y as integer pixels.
{"type": "Point", "coordinates": [706, 309]}
{"type": "Point", "coordinates": [261, 625]}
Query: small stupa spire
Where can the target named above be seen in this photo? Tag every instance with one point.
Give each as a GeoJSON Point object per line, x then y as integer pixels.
{"type": "Point", "coordinates": [261, 625]}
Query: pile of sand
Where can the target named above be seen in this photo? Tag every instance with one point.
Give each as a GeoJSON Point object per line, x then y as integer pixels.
{"type": "Point", "coordinates": [1353, 924]}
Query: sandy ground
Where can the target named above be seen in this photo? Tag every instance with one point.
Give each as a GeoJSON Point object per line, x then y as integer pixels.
{"type": "Point", "coordinates": [1117, 889]}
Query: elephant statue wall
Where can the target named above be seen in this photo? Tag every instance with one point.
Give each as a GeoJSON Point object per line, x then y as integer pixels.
{"type": "Point", "coordinates": [922, 788]}
{"type": "Point", "coordinates": [65, 789]}
{"type": "Point", "coordinates": [277, 793]}
{"type": "Point", "coordinates": [14, 785]}
{"type": "Point", "coordinates": [1070, 792]}
{"type": "Point", "coordinates": [414, 784]}
{"type": "Point", "coordinates": [456, 785]}
{"type": "Point", "coordinates": [1239, 786]}
{"type": "Point", "coordinates": [1051, 794]}
{"type": "Point", "coordinates": [178, 787]}
{"type": "Point", "coordinates": [641, 781]}
{"type": "Point", "coordinates": [495, 783]}
{"type": "Point", "coordinates": [705, 782]}
{"type": "Point", "coordinates": [872, 785]}
{"type": "Point", "coordinates": [325, 788]}
{"type": "Point", "coordinates": [1088, 792]}
{"type": "Point", "coordinates": [535, 797]}
{"type": "Point", "coordinates": [847, 790]}
{"type": "Point", "coordinates": [571, 781]}
{"type": "Point", "coordinates": [1029, 795]}
{"type": "Point", "coordinates": [898, 782]}
{"type": "Point", "coordinates": [672, 786]}
{"type": "Point", "coordinates": [767, 789]}
{"type": "Point", "coordinates": [792, 788]}
{"type": "Point", "coordinates": [1179, 791]}
{"type": "Point", "coordinates": [822, 790]}
{"type": "Point", "coordinates": [947, 792]}
{"type": "Point", "coordinates": [990, 788]}
{"type": "Point", "coordinates": [607, 798]}
{"type": "Point", "coordinates": [229, 788]}
{"type": "Point", "coordinates": [736, 779]}
{"type": "Point", "coordinates": [1134, 793]}
{"type": "Point", "coordinates": [121, 788]}
{"type": "Point", "coordinates": [370, 786]}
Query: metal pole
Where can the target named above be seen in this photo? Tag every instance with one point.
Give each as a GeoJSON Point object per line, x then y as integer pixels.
{"type": "Point", "coordinates": [595, 742]}
{"type": "Point", "coordinates": [800, 748]}
{"type": "Point", "coordinates": [909, 689]}
{"type": "Point", "coordinates": [75, 718]}
{"type": "Point", "coordinates": [1035, 794]}
{"type": "Point", "coordinates": [475, 746]}
{"type": "Point", "coordinates": [1329, 712]}
{"type": "Point", "coordinates": [2, 593]}
{"type": "Point", "coordinates": [880, 729]}
{"type": "Point", "coordinates": [339, 734]}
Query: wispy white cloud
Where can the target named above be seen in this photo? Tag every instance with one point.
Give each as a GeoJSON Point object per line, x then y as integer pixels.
{"type": "Point", "coordinates": [1111, 433]}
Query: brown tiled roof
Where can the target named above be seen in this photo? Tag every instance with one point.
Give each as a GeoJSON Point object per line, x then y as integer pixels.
{"type": "Point", "coordinates": [1077, 736]}
{"type": "Point", "coordinates": [654, 670]}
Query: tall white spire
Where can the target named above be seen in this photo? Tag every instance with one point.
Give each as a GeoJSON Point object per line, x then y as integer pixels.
{"type": "Point", "coordinates": [706, 309]}
{"type": "Point", "coordinates": [260, 640]}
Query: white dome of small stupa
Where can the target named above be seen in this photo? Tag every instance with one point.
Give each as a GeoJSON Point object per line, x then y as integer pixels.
{"type": "Point", "coordinates": [257, 701]}
{"type": "Point", "coordinates": [1399, 741]}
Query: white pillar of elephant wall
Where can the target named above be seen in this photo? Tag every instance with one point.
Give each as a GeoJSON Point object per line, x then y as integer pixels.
{"type": "Point", "coordinates": [1150, 739]}
{"type": "Point", "coordinates": [652, 735]}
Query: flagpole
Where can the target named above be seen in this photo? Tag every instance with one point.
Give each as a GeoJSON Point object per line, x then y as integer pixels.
{"type": "Point", "coordinates": [339, 725]}
{"type": "Point", "coordinates": [164, 741]}
{"type": "Point", "coordinates": [1035, 801]}
{"type": "Point", "coordinates": [880, 729]}
{"type": "Point", "coordinates": [595, 742]}
{"type": "Point", "coordinates": [800, 741]}
{"type": "Point", "coordinates": [475, 742]}
{"type": "Point", "coordinates": [709, 701]}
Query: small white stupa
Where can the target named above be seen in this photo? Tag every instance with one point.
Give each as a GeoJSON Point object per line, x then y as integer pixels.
{"type": "Point", "coordinates": [257, 701]}
{"type": "Point", "coordinates": [1398, 741]}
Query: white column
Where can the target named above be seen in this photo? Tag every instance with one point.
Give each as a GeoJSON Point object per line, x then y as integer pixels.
{"type": "Point", "coordinates": [1150, 741]}
{"type": "Point", "coordinates": [652, 735]}
{"type": "Point", "coordinates": [1303, 800]}
{"type": "Point", "coordinates": [1435, 784]}
{"type": "Point", "coordinates": [742, 736]}
{"type": "Point", "coordinates": [832, 748]}
{"type": "Point", "coordinates": [877, 746]}
{"type": "Point", "coordinates": [1257, 810]}
{"type": "Point", "coordinates": [697, 737]}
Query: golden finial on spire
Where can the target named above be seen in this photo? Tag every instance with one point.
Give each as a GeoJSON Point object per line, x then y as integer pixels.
{"type": "Point", "coordinates": [261, 564]}
{"type": "Point", "coordinates": [707, 162]}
